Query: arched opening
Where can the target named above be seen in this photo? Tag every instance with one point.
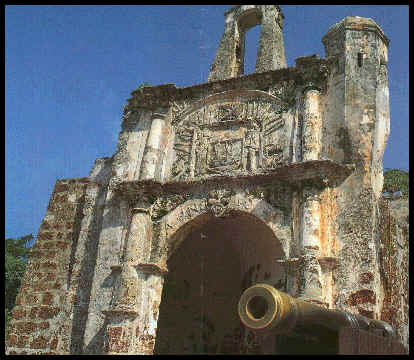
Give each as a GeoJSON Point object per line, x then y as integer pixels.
{"type": "Point", "coordinates": [208, 272]}
{"type": "Point", "coordinates": [249, 28]}
{"type": "Point", "coordinates": [251, 46]}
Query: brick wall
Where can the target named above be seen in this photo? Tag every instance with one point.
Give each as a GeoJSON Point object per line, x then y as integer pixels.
{"type": "Point", "coordinates": [359, 342]}
{"type": "Point", "coordinates": [394, 260]}
{"type": "Point", "coordinates": [41, 298]}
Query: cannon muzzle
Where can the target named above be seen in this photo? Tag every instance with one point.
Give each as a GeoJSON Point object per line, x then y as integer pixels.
{"type": "Point", "coordinates": [264, 309]}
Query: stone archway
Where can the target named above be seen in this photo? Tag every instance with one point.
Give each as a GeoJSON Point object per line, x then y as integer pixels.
{"type": "Point", "coordinates": [214, 260]}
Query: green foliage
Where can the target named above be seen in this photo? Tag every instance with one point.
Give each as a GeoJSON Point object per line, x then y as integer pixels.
{"type": "Point", "coordinates": [396, 180]}
{"type": "Point", "coordinates": [16, 257]}
{"type": "Point", "coordinates": [6, 321]}
{"type": "Point", "coordinates": [143, 85]}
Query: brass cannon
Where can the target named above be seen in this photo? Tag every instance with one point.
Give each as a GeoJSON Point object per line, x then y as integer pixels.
{"type": "Point", "coordinates": [266, 310]}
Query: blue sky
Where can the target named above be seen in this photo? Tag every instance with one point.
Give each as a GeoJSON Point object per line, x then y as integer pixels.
{"type": "Point", "coordinates": [70, 70]}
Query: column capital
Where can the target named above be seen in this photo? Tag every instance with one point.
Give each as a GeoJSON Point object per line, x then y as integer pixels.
{"type": "Point", "coordinates": [310, 86]}
{"type": "Point", "coordinates": [158, 115]}
{"type": "Point", "coordinates": [140, 210]}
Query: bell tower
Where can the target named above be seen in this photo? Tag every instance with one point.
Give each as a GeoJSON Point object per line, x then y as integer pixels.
{"type": "Point", "coordinates": [229, 60]}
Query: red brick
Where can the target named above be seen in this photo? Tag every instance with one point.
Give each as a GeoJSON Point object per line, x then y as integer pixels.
{"type": "Point", "coordinates": [74, 299]}
{"type": "Point", "coordinates": [40, 286]}
{"type": "Point", "coordinates": [49, 265]}
{"type": "Point", "coordinates": [366, 313]}
{"type": "Point", "coordinates": [114, 332]}
{"type": "Point", "coordinates": [57, 285]}
{"type": "Point", "coordinates": [45, 235]}
{"type": "Point", "coordinates": [48, 245]}
{"type": "Point", "coordinates": [43, 325]}
{"type": "Point", "coordinates": [12, 340]}
{"type": "Point", "coordinates": [61, 188]}
{"type": "Point", "coordinates": [24, 327]}
{"type": "Point", "coordinates": [69, 225]}
{"type": "Point", "coordinates": [39, 343]}
{"type": "Point", "coordinates": [31, 299]}
{"type": "Point", "coordinates": [33, 312]}
{"type": "Point", "coordinates": [50, 277]}
{"type": "Point", "coordinates": [38, 275]}
{"type": "Point", "coordinates": [47, 312]}
{"type": "Point", "coordinates": [35, 266]}
{"type": "Point", "coordinates": [45, 226]}
{"type": "Point", "coordinates": [18, 300]}
{"type": "Point", "coordinates": [361, 297]}
{"type": "Point", "coordinates": [60, 198]}
{"type": "Point", "coordinates": [47, 299]}
{"type": "Point", "coordinates": [62, 245]}
{"type": "Point", "coordinates": [19, 313]}
{"type": "Point", "coordinates": [54, 343]}
{"type": "Point", "coordinates": [37, 254]}
{"type": "Point", "coordinates": [23, 341]}
{"type": "Point", "coordinates": [51, 254]}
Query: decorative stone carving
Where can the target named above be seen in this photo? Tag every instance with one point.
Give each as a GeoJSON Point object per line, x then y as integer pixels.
{"type": "Point", "coordinates": [285, 92]}
{"type": "Point", "coordinates": [218, 201]}
{"type": "Point", "coordinates": [232, 134]}
{"type": "Point", "coordinates": [177, 108]}
{"type": "Point", "coordinates": [166, 203]}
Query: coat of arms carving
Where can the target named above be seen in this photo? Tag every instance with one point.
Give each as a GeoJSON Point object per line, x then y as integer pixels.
{"type": "Point", "coordinates": [233, 133]}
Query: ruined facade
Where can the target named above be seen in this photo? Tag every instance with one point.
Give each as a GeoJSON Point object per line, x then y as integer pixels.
{"type": "Point", "coordinates": [273, 177]}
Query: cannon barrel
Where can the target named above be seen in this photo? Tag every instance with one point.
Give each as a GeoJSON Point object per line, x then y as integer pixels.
{"type": "Point", "coordinates": [264, 309]}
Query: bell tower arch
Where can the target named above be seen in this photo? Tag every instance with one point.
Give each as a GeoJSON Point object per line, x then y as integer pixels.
{"type": "Point", "coordinates": [229, 60]}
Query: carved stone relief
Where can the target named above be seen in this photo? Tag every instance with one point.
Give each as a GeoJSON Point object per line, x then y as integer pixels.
{"type": "Point", "coordinates": [218, 201]}
{"type": "Point", "coordinates": [230, 135]}
{"type": "Point", "coordinates": [166, 203]}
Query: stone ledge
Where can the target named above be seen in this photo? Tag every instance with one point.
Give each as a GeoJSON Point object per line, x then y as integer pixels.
{"type": "Point", "coordinates": [319, 171]}
{"type": "Point", "coordinates": [120, 311]}
{"type": "Point", "coordinates": [162, 96]}
{"type": "Point", "coordinates": [143, 267]}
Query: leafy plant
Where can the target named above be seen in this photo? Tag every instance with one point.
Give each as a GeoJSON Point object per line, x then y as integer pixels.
{"type": "Point", "coordinates": [17, 254]}
{"type": "Point", "coordinates": [396, 180]}
{"type": "Point", "coordinates": [143, 85]}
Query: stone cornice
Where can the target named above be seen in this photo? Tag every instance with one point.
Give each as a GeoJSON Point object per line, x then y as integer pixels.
{"type": "Point", "coordinates": [319, 171]}
{"type": "Point", "coordinates": [355, 23]}
{"type": "Point", "coordinates": [163, 96]}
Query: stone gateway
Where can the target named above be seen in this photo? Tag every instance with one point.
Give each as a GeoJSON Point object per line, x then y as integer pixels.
{"type": "Point", "coordinates": [272, 178]}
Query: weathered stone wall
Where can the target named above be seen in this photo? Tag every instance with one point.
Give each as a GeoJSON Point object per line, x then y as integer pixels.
{"type": "Point", "coordinates": [355, 47]}
{"type": "Point", "coordinates": [298, 150]}
{"type": "Point", "coordinates": [394, 265]}
{"type": "Point", "coordinates": [40, 305]}
{"type": "Point", "coordinates": [229, 60]}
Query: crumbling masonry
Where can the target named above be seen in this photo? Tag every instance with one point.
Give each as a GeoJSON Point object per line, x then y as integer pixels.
{"type": "Point", "coordinates": [272, 177]}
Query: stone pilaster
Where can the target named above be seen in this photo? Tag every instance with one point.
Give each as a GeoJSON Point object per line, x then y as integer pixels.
{"type": "Point", "coordinates": [310, 274]}
{"type": "Point", "coordinates": [154, 147]}
{"type": "Point", "coordinates": [310, 282]}
{"type": "Point", "coordinates": [132, 318]}
{"type": "Point", "coordinates": [312, 125]}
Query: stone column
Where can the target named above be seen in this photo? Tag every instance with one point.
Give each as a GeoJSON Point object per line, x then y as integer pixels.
{"type": "Point", "coordinates": [312, 125]}
{"type": "Point", "coordinates": [310, 283]}
{"type": "Point", "coordinates": [132, 318]}
{"type": "Point", "coordinates": [153, 148]}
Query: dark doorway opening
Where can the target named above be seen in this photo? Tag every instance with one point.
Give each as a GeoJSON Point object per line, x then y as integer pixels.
{"type": "Point", "coordinates": [208, 272]}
